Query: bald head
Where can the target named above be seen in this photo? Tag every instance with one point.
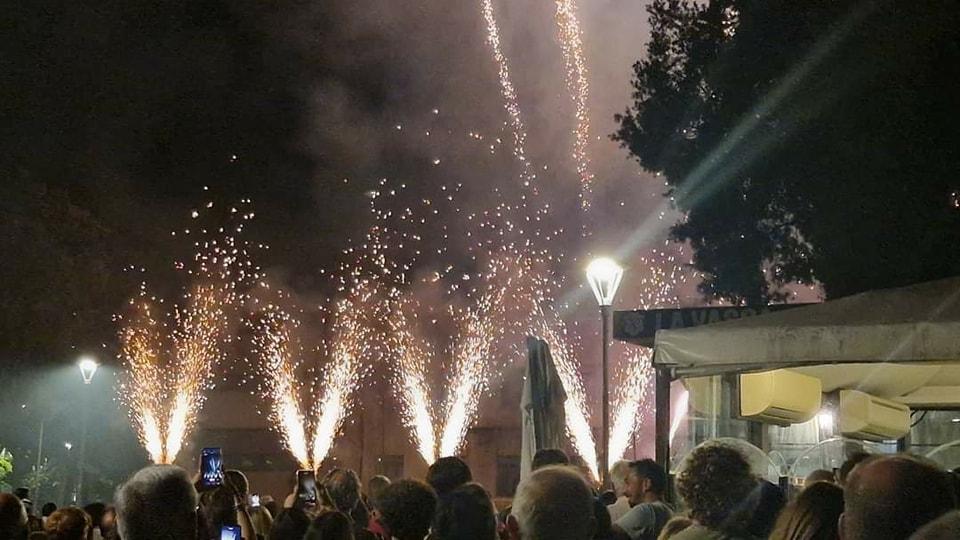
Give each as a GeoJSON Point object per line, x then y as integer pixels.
{"type": "Point", "coordinates": [13, 516]}
{"type": "Point", "coordinates": [889, 498]}
{"type": "Point", "coordinates": [553, 503]}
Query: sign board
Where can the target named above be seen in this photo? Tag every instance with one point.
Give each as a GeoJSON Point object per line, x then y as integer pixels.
{"type": "Point", "coordinates": [641, 326]}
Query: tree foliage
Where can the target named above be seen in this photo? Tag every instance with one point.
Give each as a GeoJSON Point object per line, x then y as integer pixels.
{"type": "Point", "coordinates": [804, 141]}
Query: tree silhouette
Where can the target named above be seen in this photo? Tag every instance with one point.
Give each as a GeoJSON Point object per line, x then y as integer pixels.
{"type": "Point", "coordinates": [804, 141]}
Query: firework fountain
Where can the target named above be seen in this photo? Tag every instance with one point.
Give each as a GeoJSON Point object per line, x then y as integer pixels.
{"type": "Point", "coordinates": [329, 390]}
{"type": "Point", "coordinates": [170, 357]}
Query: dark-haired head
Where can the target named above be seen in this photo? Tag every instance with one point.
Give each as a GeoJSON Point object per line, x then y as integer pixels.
{"type": "Point", "coordinates": [447, 474]}
{"type": "Point", "coordinates": [716, 481]}
{"type": "Point", "coordinates": [466, 513]}
{"type": "Point", "coordinates": [290, 524]}
{"type": "Point", "coordinates": [407, 508]}
{"type": "Point", "coordinates": [331, 525]}
{"type": "Point", "coordinates": [549, 456]}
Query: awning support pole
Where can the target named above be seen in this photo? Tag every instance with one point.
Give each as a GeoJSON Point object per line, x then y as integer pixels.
{"type": "Point", "coordinates": [662, 427]}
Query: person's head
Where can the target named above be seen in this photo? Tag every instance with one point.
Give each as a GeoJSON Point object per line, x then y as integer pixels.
{"type": "Point", "coordinates": [945, 527]}
{"type": "Point", "coordinates": [290, 524]}
{"type": "Point", "coordinates": [95, 511]}
{"type": "Point", "coordinates": [716, 481]}
{"type": "Point", "coordinates": [466, 513]}
{"type": "Point", "coordinates": [852, 461]}
{"type": "Point", "coordinates": [23, 494]}
{"type": "Point", "coordinates": [602, 524]}
{"type": "Point", "coordinates": [891, 497]}
{"type": "Point", "coordinates": [47, 509]}
{"type": "Point", "coordinates": [343, 485]}
{"type": "Point", "coordinates": [69, 523]}
{"type": "Point", "coordinates": [157, 502]}
{"type": "Point", "coordinates": [819, 475]}
{"type": "Point", "coordinates": [238, 481]}
{"type": "Point", "coordinates": [813, 515]}
{"type": "Point", "coordinates": [553, 503]}
{"type": "Point", "coordinates": [762, 507]}
{"type": "Point", "coordinates": [218, 507]}
{"type": "Point", "coordinates": [618, 475]}
{"type": "Point", "coordinates": [331, 525]}
{"type": "Point", "coordinates": [674, 526]}
{"type": "Point", "coordinates": [447, 474]}
{"type": "Point", "coordinates": [375, 487]}
{"type": "Point", "coordinates": [13, 516]}
{"type": "Point", "coordinates": [646, 481]}
{"type": "Point", "coordinates": [549, 456]}
{"type": "Point", "coordinates": [109, 520]}
{"type": "Point", "coordinates": [407, 508]}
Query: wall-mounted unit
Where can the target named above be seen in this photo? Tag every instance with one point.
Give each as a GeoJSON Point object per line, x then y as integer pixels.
{"type": "Point", "coordinates": [781, 397]}
{"type": "Point", "coordinates": [863, 416]}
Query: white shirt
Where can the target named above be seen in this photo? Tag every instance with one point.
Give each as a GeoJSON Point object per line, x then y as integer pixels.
{"type": "Point", "coordinates": [619, 508]}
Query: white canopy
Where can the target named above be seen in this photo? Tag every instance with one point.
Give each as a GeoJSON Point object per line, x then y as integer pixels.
{"type": "Point", "coordinates": [900, 343]}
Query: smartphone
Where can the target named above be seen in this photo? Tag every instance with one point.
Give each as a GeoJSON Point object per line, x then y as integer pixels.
{"type": "Point", "coordinates": [306, 486]}
{"type": "Point", "coordinates": [255, 500]}
{"type": "Point", "coordinates": [211, 467]}
{"type": "Point", "coordinates": [230, 532]}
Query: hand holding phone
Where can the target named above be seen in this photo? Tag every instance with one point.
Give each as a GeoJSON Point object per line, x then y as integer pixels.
{"type": "Point", "coordinates": [306, 487]}
{"type": "Point", "coordinates": [211, 467]}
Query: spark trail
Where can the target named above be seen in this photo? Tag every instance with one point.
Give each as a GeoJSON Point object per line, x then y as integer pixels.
{"type": "Point", "coordinates": [571, 42]}
{"type": "Point", "coordinates": [509, 92]}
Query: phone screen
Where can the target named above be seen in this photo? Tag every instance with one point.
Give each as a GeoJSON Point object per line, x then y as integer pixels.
{"type": "Point", "coordinates": [254, 500]}
{"type": "Point", "coordinates": [230, 532]}
{"type": "Point", "coordinates": [306, 486]}
{"type": "Point", "coordinates": [211, 467]}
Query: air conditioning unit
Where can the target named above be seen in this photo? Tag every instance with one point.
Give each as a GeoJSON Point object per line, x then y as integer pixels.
{"type": "Point", "coordinates": [780, 397]}
{"type": "Point", "coordinates": [867, 417]}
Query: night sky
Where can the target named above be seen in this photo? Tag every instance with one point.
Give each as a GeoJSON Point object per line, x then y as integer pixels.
{"type": "Point", "coordinates": [116, 115]}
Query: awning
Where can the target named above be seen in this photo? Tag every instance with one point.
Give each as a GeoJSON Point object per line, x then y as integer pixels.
{"type": "Point", "coordinates": [891, 342]}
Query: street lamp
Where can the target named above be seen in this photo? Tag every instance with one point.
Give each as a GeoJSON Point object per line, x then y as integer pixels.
{"type": "Point", "coordinates": [88, 366]}
{"type": "Point", "coordinates": [604, 276]}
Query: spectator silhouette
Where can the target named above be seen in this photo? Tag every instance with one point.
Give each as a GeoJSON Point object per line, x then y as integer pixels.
{"type": "Point", "coordinates": [68, 524]}
{"type": "Point", "coordinates": [447, 474]}
{"type": "Point", "coordinates": [159, 502]}
{"type": "Point", "coordinates": [407, 508]}
{"type": "Point", "coordinates": [645, 485]}
{"type": "Point", "coordinates": [331, 525]}
{"type": "Point", "coordinates": [715, 485]}
{"type": "Point", "coordinates": [813, 515]}
{"type": "Point", "coordinates": [466, 513]}
{"type": "Point", "coordinates": [553, 503]}
{"type": "Point", "coordinates": [13, 517]}
{"type": "Point", "coordinates": [888, 498]}
{"type": "Point", "coordinates": [290, 524]}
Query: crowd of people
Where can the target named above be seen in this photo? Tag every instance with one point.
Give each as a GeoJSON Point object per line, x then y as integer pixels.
{"type": "Point", "coordinates": [895, 497]}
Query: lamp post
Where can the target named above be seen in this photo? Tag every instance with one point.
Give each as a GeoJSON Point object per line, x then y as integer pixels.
{"type": "Point", "coordinates": [604, 276]}
{"type": "Point", "coordinates": [88, 366]}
